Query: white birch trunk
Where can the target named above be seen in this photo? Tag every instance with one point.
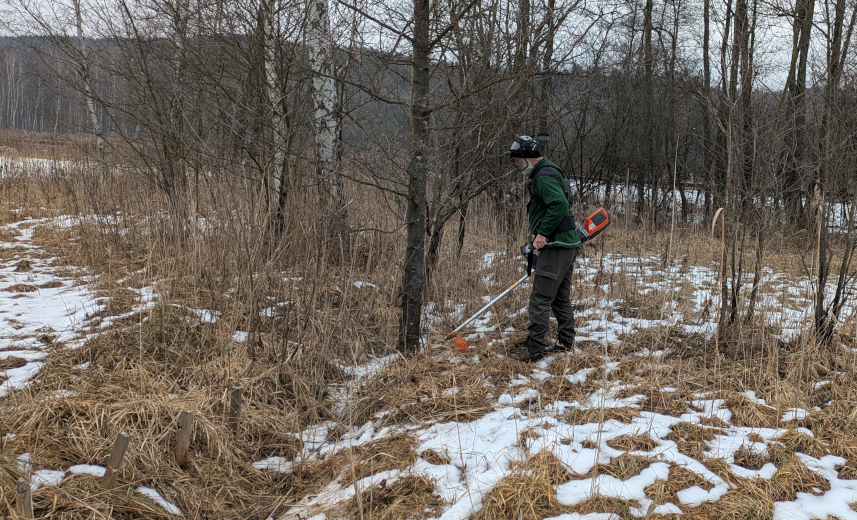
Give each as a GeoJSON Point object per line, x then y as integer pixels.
{"type": "Point", "coordinates": [275, 95]}
{"type": "Point", "coordinates": [319, 45]}
{"type": "Point", "coordinates": [84, 72]}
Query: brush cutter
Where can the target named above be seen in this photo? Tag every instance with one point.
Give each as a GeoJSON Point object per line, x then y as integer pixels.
{"type": "Point", "coordinates": [592, 226]}
{"type": "Point", "coordinates": [460, 342]}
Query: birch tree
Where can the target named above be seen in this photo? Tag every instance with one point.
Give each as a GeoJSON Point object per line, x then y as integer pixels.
{"type": "Point", "coordinates": [320, 57]}
{"type": "Point", "coordinates": [278, 104]}
{"type": "Point", "coordinates": [87, 89]}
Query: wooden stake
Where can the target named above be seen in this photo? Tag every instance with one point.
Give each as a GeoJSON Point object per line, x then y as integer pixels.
{"type": "Point", "coordinates": [183, 440]}
{"type": "Point", "coordinates": [235, 407]}
{"type": "Point", "coordinates": [117, 454]}
{"type": "Point", "coordinates": [24, 501]}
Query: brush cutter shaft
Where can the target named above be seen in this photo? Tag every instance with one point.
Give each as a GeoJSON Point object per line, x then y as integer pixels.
{"type": "Point", "coordinates": [488, 306]}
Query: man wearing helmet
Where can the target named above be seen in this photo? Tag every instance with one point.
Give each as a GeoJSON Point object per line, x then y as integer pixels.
{"type": "Point", "coordinates": [556, 239]}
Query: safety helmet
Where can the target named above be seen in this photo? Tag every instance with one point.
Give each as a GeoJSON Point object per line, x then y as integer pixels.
{"type": "Point", "coordinates": [525, 147]}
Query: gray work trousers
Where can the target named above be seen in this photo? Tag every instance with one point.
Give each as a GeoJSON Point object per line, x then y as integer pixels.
{"type": "Point", "coordinates": [551, 285]}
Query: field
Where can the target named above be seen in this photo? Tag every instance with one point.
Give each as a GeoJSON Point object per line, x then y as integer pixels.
{"type": "Point", "coordinates": [118, 319]}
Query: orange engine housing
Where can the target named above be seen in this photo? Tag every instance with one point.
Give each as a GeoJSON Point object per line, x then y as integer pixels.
{"type": "Point", "coordinates": [594, 224]}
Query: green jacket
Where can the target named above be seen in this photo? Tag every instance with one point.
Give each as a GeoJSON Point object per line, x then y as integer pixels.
{"type": "Point", "coordinates": [547, 207]}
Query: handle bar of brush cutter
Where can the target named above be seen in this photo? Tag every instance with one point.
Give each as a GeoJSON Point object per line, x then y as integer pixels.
{"type": "Point", "coordinates": [483, 309]}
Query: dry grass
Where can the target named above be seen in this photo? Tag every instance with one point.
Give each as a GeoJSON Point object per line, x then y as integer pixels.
{"type": "Point", "coordinates": [406, 498]}
{"type": "Point", "coordinates": [691, 438]}
{"type": "Point", "coordinates": [624, 466]}
{"type": "Point", "coordinates": [796, 441]}
{"type": "Point", "coordinates": [599, 504]}
{"type": "Point", "coordinates": [713, 421]}
{"type": "Point", "coordinates": [746, 412]}
{"type": "Point", "coordinates": [794, 477]}
{"type": "Point", "coordinates": [571, 363]}
{"type": "Point", "coordinates": [663, 491]}
{"type": "Point", "coordinates": [747, 501]}
{"type": "Point", "coordinates": [637, 442]}
{"type": "Point", "coordinates": [751, 459]}
{"type": "Point", "coordinates": [433, 457]}
{"type": "Point", "coordinates": [417, 389]}
{"type": "Point", "coordinates": [11, 362]}
{"type": "Point", "coordinates": [520, 496]}
{"type": "Point", "coordinates": [22, 288]}
{"type": "Point", "coordinates": [624, 414]}
{"type": "Point", "coordinates": [383, 455]}
{"type": "Point", "coordinates": [667, 403]}
{"type": "Point", "coordinates": [545, 466]}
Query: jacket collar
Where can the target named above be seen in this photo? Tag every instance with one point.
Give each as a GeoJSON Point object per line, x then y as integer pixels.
{"type": "Point", "coordinates": [536, 167]}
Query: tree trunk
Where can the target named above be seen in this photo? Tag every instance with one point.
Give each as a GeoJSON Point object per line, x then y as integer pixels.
{"type": "Point", "coordinates": [722, 149]}
{"type": "Point", "coordinates": [87, 89]}
{"type": "Point", "coordinates": [836, 53]}
{"type": "Point", "coordinates": [277, 108]}
{"type": "Point", "coordinates": [708, 156]}
{"type": "Point", "coordinates": [546, 85]}
{"type": "Point", "coordinates": [326, 102]}
{"type": "Point", "coordinates": [793, 189]}
{"type": "Point", "coordinates": [462, 220]}
{"type": "Point", "coordinates": [413, 277]}
{"type": "Point", "coordinates": [742, 54]}
{"type": "Point", "coordinates": [648, 171]}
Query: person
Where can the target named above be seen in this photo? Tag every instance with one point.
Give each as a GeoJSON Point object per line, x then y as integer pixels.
{"type": "Point", "coordinates": [557, 242]}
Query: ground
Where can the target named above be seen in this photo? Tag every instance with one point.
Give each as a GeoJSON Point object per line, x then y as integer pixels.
{"type": "Point", "coordinates": [652, 415]}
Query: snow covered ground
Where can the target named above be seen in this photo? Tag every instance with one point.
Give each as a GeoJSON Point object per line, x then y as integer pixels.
{"type": "Point", "coordinates": [42, 309]}
{"type": "Point", "coordinates": [467, 459]}
{"type": "Point", "coordinates": [482, 452]}
{"type": "Point", "coordinates": [38, 308]}
{"type": "Point", "coordinates": [524, 422]}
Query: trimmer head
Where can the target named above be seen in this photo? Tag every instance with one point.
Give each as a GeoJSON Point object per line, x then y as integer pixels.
{"type": "Point", "coordinates": [460, 342]}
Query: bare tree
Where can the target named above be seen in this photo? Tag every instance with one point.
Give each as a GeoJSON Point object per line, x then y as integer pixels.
{"type": "Point", "coordinates": [838, 43]}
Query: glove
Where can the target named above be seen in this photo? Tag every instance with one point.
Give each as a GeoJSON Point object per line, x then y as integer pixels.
{"type": "Point", "coordinates": [527, 250]}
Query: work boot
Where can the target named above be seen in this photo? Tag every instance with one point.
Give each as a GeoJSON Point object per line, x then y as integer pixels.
{"type": "Point", "coordinates": [524, 355]}
{"type": "Point", "coordinates": [560, 347]}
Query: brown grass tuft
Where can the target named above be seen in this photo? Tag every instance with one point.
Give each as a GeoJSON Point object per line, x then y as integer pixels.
{"type": "Point", "coordinates": [382, 455]}
{"type": "Point", "coordinates": [22, 288]}
{"type": "Point", "coordinates": [755, 437]}
{"type": "Point", "coordinates": [569, 364]}
{"type": "Point", "coordinates": [663, 491]}
{"type": "Point", "coordinates": [599, 504]}
{"type": "Point", "coordinates": [713, 421]}
{"type": "Point", "coordinates": [666, 403]}
{"type": "Point", "coordinates": [545, 465]}
{"type": "Point", "coordinates": [638, 442]}
{"type": "Point", "coordinates": [593, 415]}
{"type": "Point", "coordinates": [624, 466]}
{"type": "Point", "coordinates": [746, 412]}
{"type": "Point", "coordinates": [408, 497]}
{"type": "Point", "coordinates": [417, 390]}
{"type": "Point", "coordinates": [685, 431]}
{"type": "Point", "coordinates": [795, 441]}
{"type": "Point", "coordinates": [746, 501]}
{"type": "Point", "coordinates": [847, 471]}
{"type": "Point", "coordinates": [433, 457]}
{"type": "Point", "coordinates": [793, 477]}
{"type": "Point", "coordinates": [11, 362]}
{"type": "Point", "coordinates": [520, 496]}
{"type": "Point", "coordinates": [721, 468]}
{"type": "Point", "coordinates": [748, 458]}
